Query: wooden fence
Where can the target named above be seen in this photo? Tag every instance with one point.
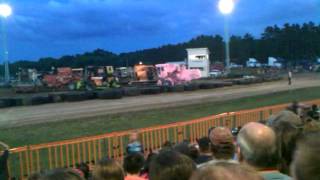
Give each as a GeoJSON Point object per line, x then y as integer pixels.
{"type": "Point", "coordinates": [34, 158]}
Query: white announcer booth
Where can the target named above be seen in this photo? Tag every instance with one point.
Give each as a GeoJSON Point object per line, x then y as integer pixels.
{"type": "Point", "coordinates": [198, 58]}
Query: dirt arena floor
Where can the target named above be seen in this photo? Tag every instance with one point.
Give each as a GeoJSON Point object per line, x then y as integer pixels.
{"type": "Point", "coordinates": [17, 116]}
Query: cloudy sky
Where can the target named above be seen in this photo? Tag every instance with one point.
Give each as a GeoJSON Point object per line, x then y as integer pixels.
{"type": "Point", "coordinates": [52, 28]}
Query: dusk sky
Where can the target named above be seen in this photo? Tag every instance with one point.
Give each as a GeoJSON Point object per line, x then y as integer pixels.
{"type": "Point", "coordinates": [52, 28]}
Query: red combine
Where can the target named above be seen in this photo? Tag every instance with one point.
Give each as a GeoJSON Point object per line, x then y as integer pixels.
{"type": "Point", "coordinates": [64, 77]}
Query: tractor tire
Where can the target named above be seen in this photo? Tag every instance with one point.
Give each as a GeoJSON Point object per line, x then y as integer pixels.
{"type": "Point", "coordinates": [227, 83]}
{"type": "Point", "coordinates": [37, 100]}
{"type": "Point", "coordinates": [18, 101]}
{"type": "Point", "coordinates": [259, 80]}
{"type": "Point", "coordinates": [247, 81]}
{"type": "Point", "coordinates": [56, 98]}
{"type": "Point", "coordinates": [90, 95]}
{"type": "Point", "coordinates": [236, 81]}
{"type": "Point", "coordinates": [189, 87]}
{"type": "Point", "coordinates": [109, 94]}
{"type": "Point", "coordinates": [74, 96]}
{"type": "Point", "coordinates": [131, 91]}
{"type": "Point", "coordinates": [164, 88]}
{"type": "Point", "coordinates": [150, 90]}
{"type": "Point", "coordinates": [2, 103]}
{"type": "Point", "coordinates": [218, 85]}
{"type": "Point", "coordinates": [177, 88]}
{"type": "Point", "coordinates": [206, 86]}
{"type": "Point", "coordinates": [7, 102]}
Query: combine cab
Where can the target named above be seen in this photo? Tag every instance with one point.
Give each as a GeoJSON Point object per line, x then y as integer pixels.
{"type": "Point", "coordinates": [101, 77]}
{"type": "Point", "coordinates": [124, 75]}
{"type": "Point", "coordinates": [145, 75]}
{"type": "Point", "coordinates": [174, 74]}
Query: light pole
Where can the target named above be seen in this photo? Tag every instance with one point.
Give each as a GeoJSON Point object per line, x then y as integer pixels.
{"type": "Point", "coordinates": [226, 7]}
{"type": "Point", "coordinates": [5, 12]}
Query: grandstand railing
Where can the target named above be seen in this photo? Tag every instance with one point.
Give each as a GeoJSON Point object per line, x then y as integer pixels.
{"type": "Point", "coordinates": [34, 158]}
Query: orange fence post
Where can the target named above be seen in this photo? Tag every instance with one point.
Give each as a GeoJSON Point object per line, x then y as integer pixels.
{"type": "Point", "coordinates": [38, 160]}
{"type": "Point", "coordinates": [67, 156]}
{"type": "Point", "coordinates": [73, 155]}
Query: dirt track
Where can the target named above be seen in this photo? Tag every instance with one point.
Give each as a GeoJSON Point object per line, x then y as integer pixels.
{"type": "Point", "coordinates": [18, 116]}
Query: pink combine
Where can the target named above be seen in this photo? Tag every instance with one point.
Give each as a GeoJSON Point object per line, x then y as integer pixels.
{"type": "Point", "coordinates": [174, 74]}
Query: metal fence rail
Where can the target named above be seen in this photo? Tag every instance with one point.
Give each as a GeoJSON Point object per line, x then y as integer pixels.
{"type": "Point", "coordinates": [34, 158]}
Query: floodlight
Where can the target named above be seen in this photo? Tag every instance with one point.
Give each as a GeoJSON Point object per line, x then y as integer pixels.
{"type": "Point", "coordinates": [226, 6]}
{"type": "Point", "coordinates": [5, 10]}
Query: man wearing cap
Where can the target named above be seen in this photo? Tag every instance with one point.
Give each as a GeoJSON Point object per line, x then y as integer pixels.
{"type": "Point", "coordinates": [222, 146]}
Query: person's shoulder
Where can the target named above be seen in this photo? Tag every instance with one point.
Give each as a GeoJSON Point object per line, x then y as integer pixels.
{"type": "Point", "coordinates": [275, 176]}
{"type": "Point", "coordinates": [203, 159]}
{"type": "Point", "coordinates": [5, 153]}
{"type": "Point", "coordinates": [128, 177]}
{"type": "Point", "coordinates": [214, 161]}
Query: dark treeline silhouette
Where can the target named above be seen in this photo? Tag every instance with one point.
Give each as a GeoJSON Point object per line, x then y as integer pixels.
{"type": "Point", "coordinates": [293, 43]}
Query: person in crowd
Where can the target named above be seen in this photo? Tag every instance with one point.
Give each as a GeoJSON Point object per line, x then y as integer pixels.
{"type": "Point", "coordinates": [221, 146]}
{"type": "Point", "coordinates": [84, 169]}
{"type": "Point", "coordinates": [182, 148]}
{"type": "Point", "coordinates": [146, 167]}
{"type": "Point", "coordinates": [226, 171]}
{"type": "Point", "coordinates": [258, 148]}
{"type": "Point", "coordinates": [3, 161]}
{"type": "Point", "coordinates": [194, 151]}
{"type": "Point", "coordinates": [167, 145]}
{"type": "Point", "coordinates": [288, 128]}
{"type": "Point", "coordinates": [61, 174]}
{"type": "Point", "coordinates": [134, 145]}
{"type": "Point", "coordinates": [314, 113]}
{"type": "Point", "coordinates": [187, 149]}
{"type": "Point", "coordinates": [306, 163]}
{"type": "Point", "coordinates": [204, 150]}
{"type": "Point", "coordinates": [132, 165]}
{"type": "Point", "coordinates": [34, 176]}
{"type": "Point", "coordinates": [171, 165]}
{"type": "Point", "coordinates": [108, 169]}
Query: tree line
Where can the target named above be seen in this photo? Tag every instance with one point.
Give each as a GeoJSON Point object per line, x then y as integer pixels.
{"type": "Point", "coordinates": [292, 43]}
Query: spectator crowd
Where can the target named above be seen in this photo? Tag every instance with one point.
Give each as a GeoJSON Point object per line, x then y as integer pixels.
{"type": "Point", "coordinates": [284, 147]}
